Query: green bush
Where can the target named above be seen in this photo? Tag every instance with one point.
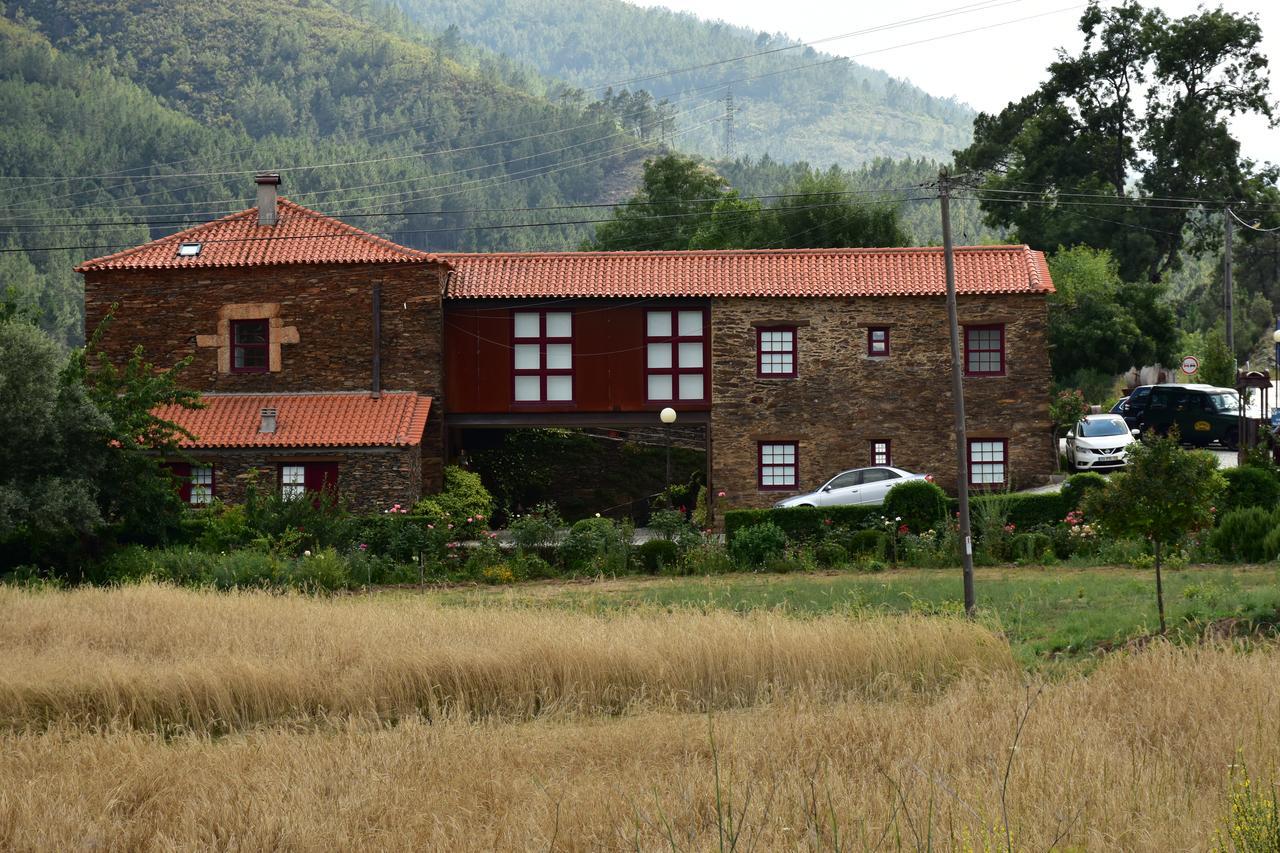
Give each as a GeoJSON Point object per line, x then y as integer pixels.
{"type": "Point", "coordinates": [595, 545]}
{"type": "Point", "coordinates": [536, 530]}
{"type": "Point", "coordinates": [871, 566]}
{"type": "Point", "coordinates": [870, 543]}
{"type": "Point", "coordinates": [465, 503]}
{"type": "Point", "coordinates": [657, 554]}
{"type": "Point", "coordinates": [1031, 547]}
{"type": "Point", "coordinates": [668, 523]}
{"type": "Point", "coordinates": [1248, 486]}
{"type": "Point", "coordinates": [919, 503]}
{"type": "Point", "coordinates": [706, 557]}
{"type": "Point", "coordinates": [1027, 510]}
{"type": "Point", "coordinates": [757, 545]}
{"type": "Point", "coordinates": [802, 524]}
{"type": "Point", "coordinates": [1241, 535]}
{"type": "Point", "coordinates": [831, 554]}
{"type": "Point", "coordinates": [1078, 485]}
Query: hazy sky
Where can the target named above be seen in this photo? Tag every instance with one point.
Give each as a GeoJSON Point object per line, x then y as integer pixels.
{"type": "Point", "coordinates": [985, 69]}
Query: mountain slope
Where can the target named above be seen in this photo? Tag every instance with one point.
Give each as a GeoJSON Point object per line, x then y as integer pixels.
{"type": "Point", "coordinates": [836, 112]}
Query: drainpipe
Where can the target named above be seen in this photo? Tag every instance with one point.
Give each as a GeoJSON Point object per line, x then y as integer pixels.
{"type": "Point", "coordinates": [376, 384]}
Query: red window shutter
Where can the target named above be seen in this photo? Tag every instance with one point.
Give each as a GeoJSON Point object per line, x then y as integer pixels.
{"type": "Point", "coordinates": [182, 471]}
{"type": "Point", "coordinates": [319, 476]}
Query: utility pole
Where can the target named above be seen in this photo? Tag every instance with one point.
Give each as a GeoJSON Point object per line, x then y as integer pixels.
{"type": "Point", "coordinates": [1227, 288]}
{"type": "Point", "coordinates": [957, 395]}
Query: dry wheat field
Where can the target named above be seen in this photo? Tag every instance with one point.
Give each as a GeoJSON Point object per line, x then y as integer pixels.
{"type": "Point", "coordinates": [151, 718]}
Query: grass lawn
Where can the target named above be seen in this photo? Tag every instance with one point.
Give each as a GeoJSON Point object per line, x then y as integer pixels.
{"type": "Point", "coordinates": [1048, 614]}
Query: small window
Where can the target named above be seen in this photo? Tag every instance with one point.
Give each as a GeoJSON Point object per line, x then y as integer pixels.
{"type": "Point", "coordinates": [250, 346]}
{"type": "Point", "coordinates": [201, 485]}
{"type": "Point", "coordinates": [776, 352]}
{"type": "Point", "coordinates": [987, 461]}
{"type": "Point", "coordinates": [542, 348]}
{"type": "Point", "coordinates": [293, 481]}
{"type": "Point", "coordinates": [189, 250]}
{"type": "Point", "coordinates": [878, 341]}
{"type": "Point", "coordinates": [880, 454]}
{"type": "Point", "coordinates": [984, 350]}
{"type": "Point", "coordinates": [779, 465]}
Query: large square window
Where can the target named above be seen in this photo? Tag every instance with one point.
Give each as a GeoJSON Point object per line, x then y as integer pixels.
{"type": "Point", "coordinates": [675, 356]}
{"type": "Point", "coordinates": [542, 352]}
{"type": "Point", "coordinates": [988, 459]}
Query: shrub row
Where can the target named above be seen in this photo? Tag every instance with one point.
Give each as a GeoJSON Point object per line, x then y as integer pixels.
{"type": "Point", "coordinates": [808, 524]}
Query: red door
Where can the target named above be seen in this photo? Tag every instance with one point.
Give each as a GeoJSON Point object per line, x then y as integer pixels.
{"type": "Point", "coordinates": [320, 476]}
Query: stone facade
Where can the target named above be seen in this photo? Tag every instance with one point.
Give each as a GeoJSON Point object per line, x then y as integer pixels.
{"type": "Point", "coordinates": [321, 322]}
{"type": "Point", "coordinates": [842, 399]}
{"type": "Point", "coordinates": [369, 479]}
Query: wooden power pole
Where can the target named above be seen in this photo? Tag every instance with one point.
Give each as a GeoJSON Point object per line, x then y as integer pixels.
{"type": "Point", "coordinates": [1227, 289]}
{"type": "Point", "coordinates": [957, 395]}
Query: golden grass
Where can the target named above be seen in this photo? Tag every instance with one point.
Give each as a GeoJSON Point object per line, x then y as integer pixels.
{"type": "Point", "coordinates": [177, 660]}
{"type": "Point", "coordinates": [1132, 757]}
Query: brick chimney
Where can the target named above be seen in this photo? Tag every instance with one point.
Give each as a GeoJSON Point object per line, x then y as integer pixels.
{"type": "Point", "coordinates": [267, 183]}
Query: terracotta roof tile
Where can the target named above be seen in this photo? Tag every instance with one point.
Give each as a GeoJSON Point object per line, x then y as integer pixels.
{"type": "Point", "coordinates": [301, 236]}
{"type": "Point", "coordinates": [352, 419]}
{"type": "Point", "coordinates": [759, 272]}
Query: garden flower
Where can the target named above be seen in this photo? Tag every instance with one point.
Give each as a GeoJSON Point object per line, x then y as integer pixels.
{"type": "Point", "coordinates": [431, 527]}
{"type": "Point", "coordinates": [720, 493]}
{"type": "Point", "coordinates": [364, 547]}
{"type": "Point", "coordinates": [1009, 528]}
{"type": "Point", "coordinates": [306, 553]}
{"type": "Point", "coordinates": [903, 529]}
{"type": "Point", "coordinates": [470, 519]}
{"type": "Point", "coordinates": [826, 521]}
{"type": "Point", "coordinates": [597, 515]}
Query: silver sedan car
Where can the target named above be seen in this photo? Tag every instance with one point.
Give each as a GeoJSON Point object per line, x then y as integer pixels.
{"type": "Point", "coordinates": [859, 486]}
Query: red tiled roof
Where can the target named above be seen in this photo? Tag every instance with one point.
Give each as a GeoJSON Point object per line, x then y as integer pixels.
{"type": "Point", "coordinates": [755, 272]}
{"type": "Point", "coordinates": [353, 419]}
{"type": "Point", "coordinates": [300, 236]}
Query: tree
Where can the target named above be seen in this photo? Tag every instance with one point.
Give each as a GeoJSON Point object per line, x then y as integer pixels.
{"type": "Point", "coordinates": [1165, 494]}
{"type": "Point", "coordinates": [1099, 322]}
{"type": "Point", "coordinates": [677, 195]}
{"type": "Point", "coordinates": [1065, 409]}
{"type": "Point", "coordinates": [1141, 112]}
{"type": "Point", "coordinates": [80, 447]}
{"type": "Point", "coordinates": [1217, 367]}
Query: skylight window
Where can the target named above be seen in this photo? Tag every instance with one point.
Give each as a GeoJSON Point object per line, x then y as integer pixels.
{"type": "Point", "coordinates": [189, 250]}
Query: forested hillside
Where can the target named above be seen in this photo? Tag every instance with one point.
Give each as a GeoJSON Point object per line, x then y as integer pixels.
{"type": "Point", "coordinates": [792, 104]}
{"type": "Point", "coordinates": [126, 121]}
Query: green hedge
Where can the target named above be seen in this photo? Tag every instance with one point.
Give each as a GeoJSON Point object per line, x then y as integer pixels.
{"type": "Point", "coordinates": [805, 524]}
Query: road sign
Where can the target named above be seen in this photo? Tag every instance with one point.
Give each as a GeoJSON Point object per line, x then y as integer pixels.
{"type": "Point", "coordinates": [1190, 364]}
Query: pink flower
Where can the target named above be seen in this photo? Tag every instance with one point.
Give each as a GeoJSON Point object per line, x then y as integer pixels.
{"type": "Point", "coordinates": [479, 517]}
{"type": "Point", "coordinates": [364, 547]}
{"type": "Point", "coordinates": [903, 529]}
{"type": "Point", "coordinates": [470, 519]}
{"type": "Point", "coordinates": [826, 521]}
{"type": "Point", "coordinates": [493, 535]}
{"type": "Point", "coordinates": [720, 493]}
{"type": "Point", "coordinates": [1009, 528]}
{"type": "Point", "coordinates": [431, 527]}
{"type": "Point", "coordinates": [451, 545]}
{"type": "Point", "coordinates": [450, 526]}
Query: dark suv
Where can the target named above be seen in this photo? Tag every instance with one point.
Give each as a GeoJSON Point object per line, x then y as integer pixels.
{"type": "Point", "coordinates": [1202, 413]}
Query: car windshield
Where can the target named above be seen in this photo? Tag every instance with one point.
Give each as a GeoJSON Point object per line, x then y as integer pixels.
{"type": "Point", "coordinates": [1224, 402]}
{"type": "Point", "coordinates": [1103, 427]}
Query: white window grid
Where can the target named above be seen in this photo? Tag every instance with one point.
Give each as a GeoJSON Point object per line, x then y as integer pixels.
{"type": "Point", "coordinates": [778, 351]}
{"type": "Point", "coordinates": [778, 465]}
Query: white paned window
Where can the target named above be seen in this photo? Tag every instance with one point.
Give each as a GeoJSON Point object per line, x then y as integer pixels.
{"type": "Point", "coordinates": [675, 356]}
{"type": "Point", "coordinates": [880, 452]}
{"type": "Point", "coordinates": [987, 459]}
{"type": "Point", "coordinates": [779, 465]}
{"type": "Point", "coordinates": [776, 352]}
{"type": "Point", "coordinates": [542, 356]}
{"type": "Point", "coordinates": [293, 481]}
{"type": "Point", "coordinates": [201, 484]}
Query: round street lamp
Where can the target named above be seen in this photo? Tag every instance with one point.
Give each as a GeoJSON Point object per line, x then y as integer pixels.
{"type": "Point", "coordinates": [668, 417]}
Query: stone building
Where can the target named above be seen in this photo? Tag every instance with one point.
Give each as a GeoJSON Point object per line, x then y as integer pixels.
{"type": "Point", "coordinates": [330, 356]}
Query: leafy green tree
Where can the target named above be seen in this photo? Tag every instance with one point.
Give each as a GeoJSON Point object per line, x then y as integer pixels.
{"type": "Point", "coordinates": [80, 447]}
{"type": "Point", "coordinates": [678, 195]}
{"type": "Point", "coordinates": [820, 214]}
{"type": "Point", "coordinates": [1099, 322]}
{"type": "Point", "coordinates": [1217, 367]}
{"type": "Point", "coordinates": [1065, 409]}
{"type": "Point", "coordinates": [1142, 110]}
{"type": "Point", "coordinates": [1164, 495]}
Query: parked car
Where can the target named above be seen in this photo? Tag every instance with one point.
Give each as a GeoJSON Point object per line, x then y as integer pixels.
{"type": "Point", "coordinates": [1121, 406]}
{"type": "Point", "coordinates": [1099, 443]}
{"type": "Point", "coordinates": [1202, 413]}
{"type": "Point", "coordinates": [859, 486]}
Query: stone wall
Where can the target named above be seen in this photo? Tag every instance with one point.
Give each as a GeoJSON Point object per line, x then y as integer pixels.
{"type": "Point", "coordinates": [370, 480]}
{"type": "Point", "coordinates": [321, 326]}
{"type": "Point", "coordinates": [842, 399]}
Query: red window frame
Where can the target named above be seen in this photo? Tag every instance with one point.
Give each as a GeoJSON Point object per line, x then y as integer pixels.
{"type": "Point", "coordinates": [970, 350]}
{"type": "Point", "coordinates": [872, 342]}
{"type": "Point", "coordinates": [542, 371]}
{"type": "Point", "coordinates": [879, 456]}
{"type": "Point", "coordinates": [1004, 463]}
{"type": "Point", "coordinates": [182, 472]}
{"type": "Point", "coordinates": [264, 347]}
{"type": "Point", "coordinates": [793, 352]}
{"type": "Point", "coordinates": [761, 465]}
{"type": "Point", "coordinates": [675, 371]}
